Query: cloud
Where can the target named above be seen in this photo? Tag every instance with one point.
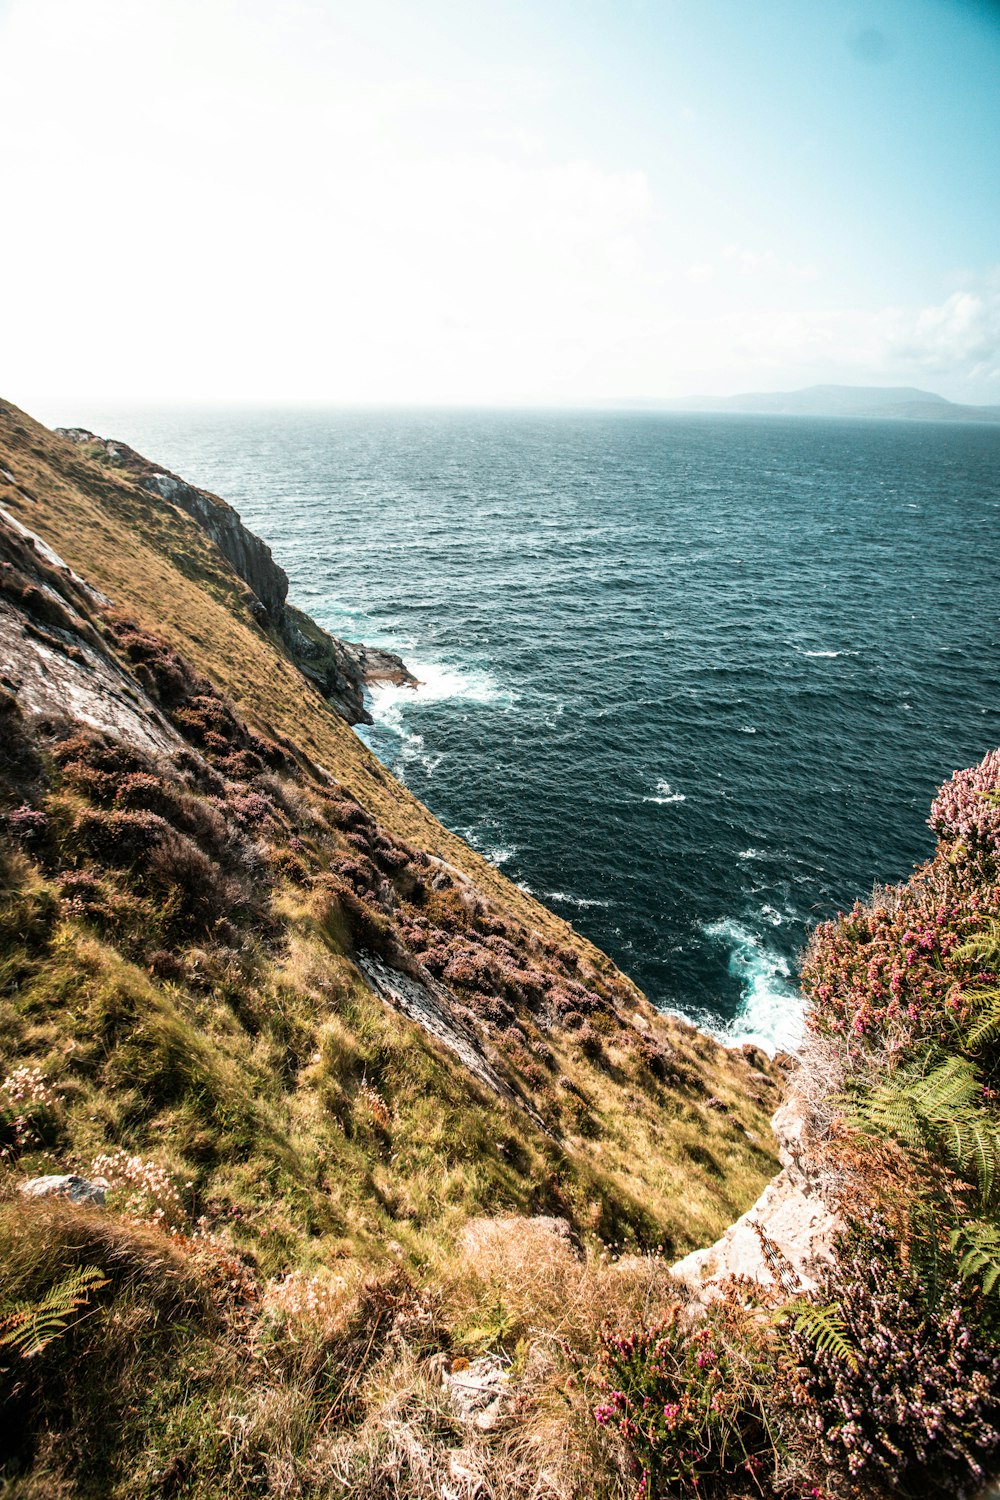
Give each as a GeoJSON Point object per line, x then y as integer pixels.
{"type": "Point", "coordinates": [959, 336]}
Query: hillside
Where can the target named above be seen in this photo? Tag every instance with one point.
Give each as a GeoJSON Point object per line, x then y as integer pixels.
{"type": "Point", "coordinates": [254, 986]}
{"type": "Point", "coordinates": [334, 1165]}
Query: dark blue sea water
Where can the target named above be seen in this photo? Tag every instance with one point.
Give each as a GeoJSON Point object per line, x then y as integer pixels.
{"type": "Point", "coordinates": [690, 679]}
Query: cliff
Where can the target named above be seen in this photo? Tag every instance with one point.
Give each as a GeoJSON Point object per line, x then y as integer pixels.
{"type": "Point", "coordinates": [338, 668]}
{"type": "Point", "coordinates": [274, 1038]}
{"type": "Point", "coordinates": [333, 1164]}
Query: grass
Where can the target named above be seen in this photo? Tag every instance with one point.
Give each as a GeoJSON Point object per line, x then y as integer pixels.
{"type": "Point", "coordinates": [178, 987]}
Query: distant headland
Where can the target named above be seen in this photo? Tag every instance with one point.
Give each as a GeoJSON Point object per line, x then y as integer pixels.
{"type": "Point", "coordinates": [885, 403]}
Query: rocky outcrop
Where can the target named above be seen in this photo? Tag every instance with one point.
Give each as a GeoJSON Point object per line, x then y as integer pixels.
{"type": "Point", "coordinates": [53, 660]}
{"type": "Point", "coordinates": [247, 555]}
{"type": "Point", "coordinates": [786, 1234]}
{"type": "Point", "coordinates": [339, 669]}
{"type": "Point", "coordinates": [67, 1185]}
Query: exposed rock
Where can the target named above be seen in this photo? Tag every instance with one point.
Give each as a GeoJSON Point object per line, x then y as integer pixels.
{"type": "Point", "coordinates": [432, 1007]}
{"type": "Point", "coordinates": [378, 665]}
{"type": "Point", "coordinates": [76, 1189]}
{"type": "Point", "coordinates": [787, 1233]}
{"type": "Point", "coordinates": [52, 658]}
{"type": "Point", "coordinates": [476, 1389]}
{"type": "Point", "coordinates": [339, 669]}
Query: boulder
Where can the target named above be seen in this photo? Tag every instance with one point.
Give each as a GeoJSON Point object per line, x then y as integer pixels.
{"type": "Point", "coordinates": [68, 1185]}
{"type": "Point", "coordinates": [476, 1389]}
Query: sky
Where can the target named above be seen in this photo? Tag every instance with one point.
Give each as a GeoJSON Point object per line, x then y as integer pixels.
{"type": "Point", "coordinates": [451, 202]}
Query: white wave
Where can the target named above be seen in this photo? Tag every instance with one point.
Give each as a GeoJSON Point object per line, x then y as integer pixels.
{"type": "Point", "coordinates": [665, 794]}
{"type": "Point", "coordinates": [388, 703]}
{"type": "Point", "coordinates": [435, 683]}
{"type": "Point", "coordinates": [771, 1013]}
{"type": "Point", "coordinates": [582, 902]}
{"type": "Point", "coordinates": [496, 854]}
{"type": "Point", "coordinates": [750, 854]}
{"type": "Point", "coordinates": [821, 653]}
{"type": "Point", "coordinates": [747, 729]}
{"type": "Point", "coordinates": [487, 838]}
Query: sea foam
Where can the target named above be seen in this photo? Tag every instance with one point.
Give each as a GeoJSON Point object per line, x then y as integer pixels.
{"type": "Point", "coordinates": [665, 794]}
{"type": "Point", "coordinates": [771, 1009]}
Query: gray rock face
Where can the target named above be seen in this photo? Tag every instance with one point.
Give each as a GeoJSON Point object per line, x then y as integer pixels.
{"type": "Point", "coordinates": [378, 665]}
{"type": "Point", "coordinates": [76, 1189]}
{"type": "Point", "coordinates": [55, 662]}
{"type": "Point", "coordinates": [792, 1217]}
{"type": "Point", "coordinates": [243, 550]}
{"type": "Point", "coordinates": [338, 669]}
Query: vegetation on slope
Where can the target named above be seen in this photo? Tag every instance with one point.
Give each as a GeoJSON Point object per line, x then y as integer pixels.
{"type": "Point", "coordinates": [198, 901]}
{"type": "Point", "coordinates": [886, 1380]}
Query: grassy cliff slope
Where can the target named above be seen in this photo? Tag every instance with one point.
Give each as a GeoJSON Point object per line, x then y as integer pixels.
{"type": "Point", "coordinates": [306, 1035]}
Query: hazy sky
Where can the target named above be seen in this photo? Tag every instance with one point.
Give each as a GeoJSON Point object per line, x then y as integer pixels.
{"type": "Point", "coordinates": [451, 201]}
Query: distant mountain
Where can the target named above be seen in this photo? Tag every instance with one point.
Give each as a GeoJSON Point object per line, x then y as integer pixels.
{"type": "Point", "coordinates": [901, 402]}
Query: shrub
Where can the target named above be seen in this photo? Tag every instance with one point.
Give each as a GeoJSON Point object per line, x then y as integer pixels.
{"type": "Point", "coordinates": [471, 968]}
{"type": "Point", "coordinates": [140, 791]}
{"type": "Point", "coordinates": [967, 808]}
{"type": "Point", "coordinates": [27, 826]}
{"type": "Point", "coordinates": [90, 749]}
{"type": "Point", "coordinates": [918, 1408]}
{"type": "Point", "coordinates": [120, 837]}
{"type": "Point", "coordinates": [204, 893]}
{"type": "Point", "coordinates": [240, 765]}
{"type": "Point", "coordinates": [692, 1402]}
{"type": "Point", "coordinates": [889, 971]}
{"type": "Point", "coordinates": [253, 810]}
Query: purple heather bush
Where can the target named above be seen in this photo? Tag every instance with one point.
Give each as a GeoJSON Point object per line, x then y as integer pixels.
{"type": "Point", "coordinates": [691, 1402]}
{"type": "Point", "coordinates": [967, 808]}
{"type": "Point", "coordinates": [917, 1410]}
{"type": "Point", "coordinates": [27, 826]}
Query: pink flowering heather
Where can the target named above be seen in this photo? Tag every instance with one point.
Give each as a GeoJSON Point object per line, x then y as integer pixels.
{"type": "Point", "coordinates": [686, 1401]}
{"type": "Point", "coordinates": [893, 971]}
{"type": "Point", "coordinates": [968, 808]}
{"type": "Point", "coordinates": [918, 1413]}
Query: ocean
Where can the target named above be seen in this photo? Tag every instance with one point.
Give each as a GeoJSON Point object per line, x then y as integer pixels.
{"type": "Point", "coordinates": [692, 680]}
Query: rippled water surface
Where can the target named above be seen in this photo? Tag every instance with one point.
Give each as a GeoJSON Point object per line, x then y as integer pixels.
{"type": "Point", "coordinates": [690, 679]}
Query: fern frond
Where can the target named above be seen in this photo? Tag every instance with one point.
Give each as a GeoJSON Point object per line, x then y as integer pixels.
{"type": "Point", "coordinates": [939, 1110]}
{"type": "Point", "coordinates": [948, 1087]}
{"type": "Point", "coordinates": [978, 1245]}
{"type": "Point", "coordinates": [825, 1329]}
{"type": "Point", "coordinates": [29, 1326]}
{"type": "Point", "coordinates": [905, 1104]}
{"type": "Point", "coordinates": [973, 1146]}
{"type": "Point", "coordinates": [984, 947]}
{"type": "Point", "coordinates": [986, 1008]}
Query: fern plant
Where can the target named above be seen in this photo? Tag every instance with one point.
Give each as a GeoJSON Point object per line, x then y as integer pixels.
{"type": "Point", "coordinates": [978, 1246]}
{"type": "Point", "coordinates": [29, 1326]}
{"type": "Point", "coordinates": [937, 1110]}
{"type": "Point", "coordinates": [984, 950]}
{"type": "Point", "coordinates": [823, 1326]}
